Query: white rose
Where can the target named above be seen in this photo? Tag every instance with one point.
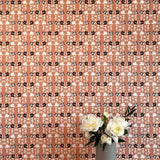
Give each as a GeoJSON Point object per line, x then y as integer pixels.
{"type": "Point", "coordinates": [115, 128]}
{"type": "Point", "coordinates": [122, 121]}
{"type": "Point", "coordinates": [109, 140]}
{"type": "Point", "coordinates": [91, 123]}
{"type": "Point", "coordinates": [106, 114]}
{"type": "Point", "coordinates": [104, 138]}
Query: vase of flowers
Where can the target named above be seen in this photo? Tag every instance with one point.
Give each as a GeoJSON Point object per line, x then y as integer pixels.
{"type": "Point", "coordinates": [106, 131]}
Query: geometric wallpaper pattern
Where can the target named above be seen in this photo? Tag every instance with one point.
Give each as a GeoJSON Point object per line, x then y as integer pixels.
{"type": "Point", "coordinates": [61, 59]}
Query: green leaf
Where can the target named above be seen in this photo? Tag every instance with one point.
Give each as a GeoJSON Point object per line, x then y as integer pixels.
{"type": "Point", "coordinates": [92, 132]}
{"type": "Point", "coordinates": [128, 109]}
{"type": "Point", "coordinates": [104, 146]}
{"type": "Point", "coordinates": [104, 118]}
{"type": "Point", "coordinates": [97, 139]}
{"type": "Point", "coordinates": [127, 119]}
{"type": "Point", "coordinates": [131, 112]}
{"type": "Point", "coordinates": [92, 138]}
{"type": "Point", "coordinates": [89, 143]}
{"type": "Point", "coordinates": [133, 108]}
{"type": "Point", "coordinates": [121, 140]}
{"type": "Point", "coordinates": [125, 132]}
{"type": "Point", "coordinates": [96, 142]}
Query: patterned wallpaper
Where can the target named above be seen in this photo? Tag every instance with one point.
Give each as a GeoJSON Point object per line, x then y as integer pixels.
{"type": "Point", "coordinates": [60, 59]}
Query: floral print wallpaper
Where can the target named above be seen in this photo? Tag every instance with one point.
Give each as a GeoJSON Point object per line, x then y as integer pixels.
{"type": "Point", "coordinates": [60, 59]}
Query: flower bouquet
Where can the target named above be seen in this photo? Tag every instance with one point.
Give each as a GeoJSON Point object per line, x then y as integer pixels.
{"type": "Point", "coordinates": [107, 129]}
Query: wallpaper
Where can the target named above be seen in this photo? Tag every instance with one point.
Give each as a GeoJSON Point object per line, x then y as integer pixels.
{"type": "Point", "coordinates": [60, 59]}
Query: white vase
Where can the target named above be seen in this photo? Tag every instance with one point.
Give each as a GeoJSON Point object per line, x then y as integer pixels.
{"type": "Point", "coordinates": [108, 154]}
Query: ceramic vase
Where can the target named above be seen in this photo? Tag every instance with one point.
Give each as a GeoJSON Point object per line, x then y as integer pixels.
{"type": "Point", "coordinates": [108, 154]}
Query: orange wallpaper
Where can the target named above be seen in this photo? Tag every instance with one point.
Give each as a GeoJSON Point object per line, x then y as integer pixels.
{"type": "Point", "coordinates": [60, 59]}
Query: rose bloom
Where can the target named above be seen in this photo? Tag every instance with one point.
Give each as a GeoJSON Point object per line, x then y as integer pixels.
{"type": "Point", "coordinates": [91, 123]}
{"type": "Point", "coordinates": [109, 140]}
{"type": "Point", "coordinates": [122, 121]}
{"type": "Point", "coordinates": [106, 139]}
{"type": "Point", "coordinates": [116, 127]}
